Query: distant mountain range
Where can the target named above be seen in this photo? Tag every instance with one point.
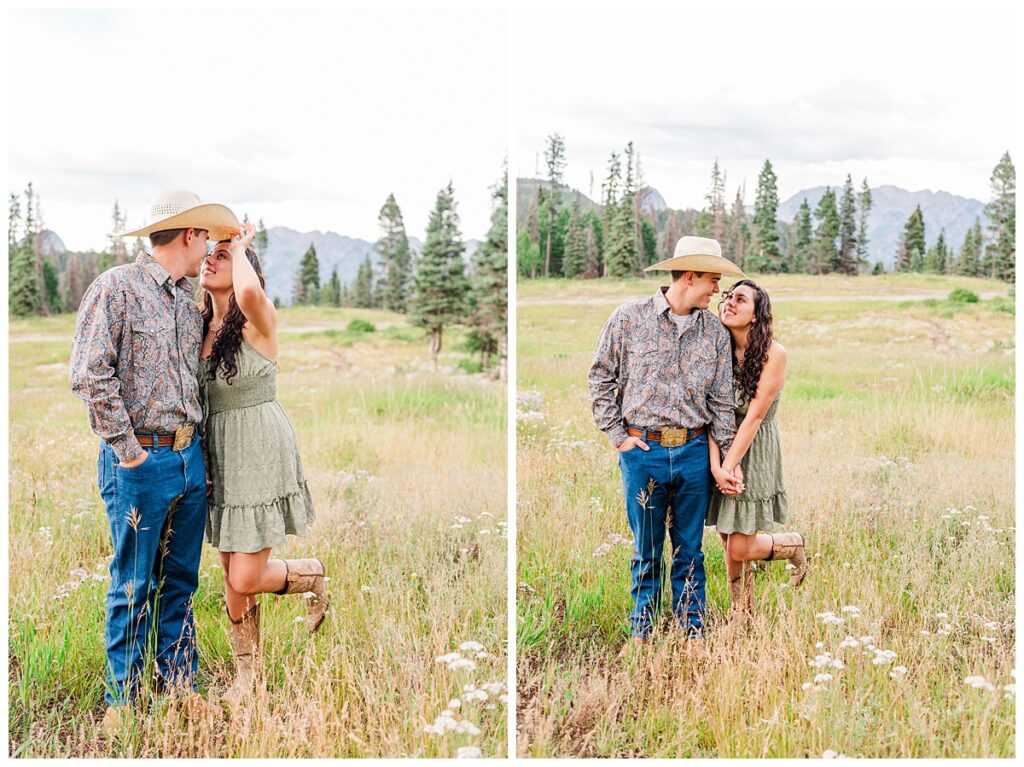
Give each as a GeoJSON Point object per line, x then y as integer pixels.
{"type": "Point", "coordinates": [285, 248]}
{"type": "Point", "coordinates": [891, 206]}
{"type": "Point", "coordinates": [890, 209]}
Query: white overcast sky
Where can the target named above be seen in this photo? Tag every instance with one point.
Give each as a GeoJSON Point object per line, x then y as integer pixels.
{"type": "Point", "coordinates": [307, 118]}
{"type": "Point", "coordinates": [922, 99]}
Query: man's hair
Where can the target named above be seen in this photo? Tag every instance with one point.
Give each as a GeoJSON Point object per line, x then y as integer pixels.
{"type": "Point", "coordinates": [677, 273]}
{"type": "Point", "coordinates": [167, 236]}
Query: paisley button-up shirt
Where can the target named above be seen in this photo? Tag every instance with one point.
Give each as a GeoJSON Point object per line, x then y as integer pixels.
{"type": "Point", "coordinates": [135, 356]}
{"type": "Point", "coordinates": [652, 373]}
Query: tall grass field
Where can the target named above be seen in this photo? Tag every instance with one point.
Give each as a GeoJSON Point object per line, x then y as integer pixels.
{"type": "Point", "coordinates": [897, 424]}
{"type": "Point", "coordinates": [407, 468]}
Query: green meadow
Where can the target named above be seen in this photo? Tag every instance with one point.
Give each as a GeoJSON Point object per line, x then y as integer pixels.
{"type": "Point", "coordinates": [407, 468]}
{"type": "Point", "coordinates": [898, 448]}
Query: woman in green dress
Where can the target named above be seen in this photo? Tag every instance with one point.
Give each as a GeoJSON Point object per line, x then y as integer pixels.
{"type": "Point", "coordinates": [258, 493]}
{"type": "Point", "coordinates": [744, 520]}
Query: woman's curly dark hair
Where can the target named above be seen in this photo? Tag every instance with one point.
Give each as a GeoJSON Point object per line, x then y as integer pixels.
{"type": "Point", "coordinates": [759, 342]}
{"type": "Point", "coordinates": [227, 341]}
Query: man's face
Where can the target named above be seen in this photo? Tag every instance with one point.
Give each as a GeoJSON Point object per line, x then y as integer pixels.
{"type": "Point", "coordinates": [195, 250]}
{"type": "Point", "coordinates": [704, 288]}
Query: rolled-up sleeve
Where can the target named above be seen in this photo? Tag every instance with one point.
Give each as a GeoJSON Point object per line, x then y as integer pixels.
{"type": "Point", "coordinates": [94, 356]}
{"type": "Point", "coordinates": [604, 381]}
{"type": "Point", "coordinates": [720, 394]}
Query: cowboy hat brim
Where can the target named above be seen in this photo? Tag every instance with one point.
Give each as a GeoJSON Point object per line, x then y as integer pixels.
{"type": "Point", "coordinates": [698, 263]}
{"type": "Point", "coordinates": [218, 220]}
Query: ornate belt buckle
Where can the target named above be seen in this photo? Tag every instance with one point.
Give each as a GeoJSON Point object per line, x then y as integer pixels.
{"type": "Point", "coordinates": [183, 437]}
{"type": "Point", "coordinates": [673, 437]}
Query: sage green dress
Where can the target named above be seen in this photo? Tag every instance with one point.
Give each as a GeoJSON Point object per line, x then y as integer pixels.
{"type": "Point", "coordinates": [259, 494]}
{"type": "Point", "coordinates": [762, 504]}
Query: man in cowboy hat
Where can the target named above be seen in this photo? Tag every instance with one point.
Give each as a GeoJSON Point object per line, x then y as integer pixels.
{"type": "Point", "coordinates": [134, 360]}
{"type": "Point", "coordinates": [660, 380]}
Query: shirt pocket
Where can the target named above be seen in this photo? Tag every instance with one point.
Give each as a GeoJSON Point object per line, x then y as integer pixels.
{"type": "Point", "coordinates": [650, 365]}
{"type": "Point", "coordinates": [152, 338]}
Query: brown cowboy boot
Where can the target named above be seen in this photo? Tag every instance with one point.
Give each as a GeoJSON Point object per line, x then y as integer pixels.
{"type": "Point", "coordinates": [245, 641]}
{"type": "Point", "coordinates": [790, 546]}
{"type": "Point", "coordinates": [737, 611]}
{"type": "Point", "coordinates": [748, 588]}
{"type": "Point", "coordinates": [306, 576]}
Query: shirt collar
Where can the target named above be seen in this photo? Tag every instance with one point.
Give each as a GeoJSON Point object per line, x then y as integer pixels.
{"type": "Point", "coordinates": [154, 269]}
{"type": "Point", "coordinates": [661, 304]}
{"type": "Point", "coordinates": [662, 308]}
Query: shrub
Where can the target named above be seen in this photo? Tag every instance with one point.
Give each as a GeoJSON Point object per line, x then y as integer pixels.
{"type": "Point", "coordinates": [963, 296]}
{"type": "Point", "coordinates": [360, 326]}
{"type": "Point", "coordinates": [471, 366]}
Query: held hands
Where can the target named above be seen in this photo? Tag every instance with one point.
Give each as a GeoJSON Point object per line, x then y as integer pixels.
{"type": "Point", "coordinates": [729, 482]}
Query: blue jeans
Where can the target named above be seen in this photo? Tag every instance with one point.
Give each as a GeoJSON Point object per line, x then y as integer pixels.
{"type": "Point", "coordinates": [667, 489]}
{"type": "Point", "coordinates": [157, 515]}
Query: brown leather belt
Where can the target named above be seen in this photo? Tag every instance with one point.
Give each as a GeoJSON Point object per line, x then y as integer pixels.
{"type": "Point", "coordinates": [667, 437]}
{"type": "Point", "coordinates": [177, 440]}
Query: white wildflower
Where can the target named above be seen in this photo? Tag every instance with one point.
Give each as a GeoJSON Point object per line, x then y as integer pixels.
{"type": "Point", "coordinates": [979, 683]}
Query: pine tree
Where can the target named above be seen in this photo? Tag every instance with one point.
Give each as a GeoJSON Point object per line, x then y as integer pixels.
{"type": "Point", "coordinates": [345, 298]}
{"type": "Point", "coordinates": [51, 287]}
{"type": "Point", "coordinates": [649, 238]}
{"type": "Point", "coordinates": [440, 284]}
{"type": "Point", "coordinates": [118, 248]}
{"type": "Point", "coordinates": [935, 258]}
{"type": "Point", "coordinates": [395, 256]}
{"type": "Point", "coordinates": [23, 286]}
{"type": "Point", "coordinates": [629, 215]}
{"type": "Point", "coordinates": [574, 262]}
{"type": "Point", "coordinates": [803, 245]}
{"type": "Point", "coordinates": [25, 279]}
{"type": "Point", "coordinates": [363, 288]}
{"type": "Point", "coordinates": [617, 234]}
{"type": "Point", "coordinates": [737, 238]}
{"type": "Point", "coordinates": [592, 270]}
{"type": "Point", "coordinates": [969, 262]}
{"type": "Point", "coordinates": [847, 257]}
{"type": "Point", "coordinates": [554, 158]}
{"type": "Point", "coordinates": [766, 255]}
{"type": "Point", "coordinates": [864, 203]}
{"type": "Point", "coordinates": [13, 225]}
{"type": "Point", "coordinates": [715, 198]}
{"type": "Point", "coordinates": [902, 254]}
{"type": "Point", "coordinates": [490, 282]}
{"type": "Point", "coordinates": [307, 285]}
{"type": "Point", "coordinates": [1001, 212]}
{"type": "Point", "coordinates": [912, 256]}
{"type": "Point", "coordinates": [826, 254]}
{"type": "Point", "coordinates": [261, 240]}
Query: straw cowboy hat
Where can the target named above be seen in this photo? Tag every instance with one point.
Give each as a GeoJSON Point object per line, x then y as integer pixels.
{"type": "Point", "coordinates": [178, 209]}
{"type": "Point", "coordinates": [698, 254]}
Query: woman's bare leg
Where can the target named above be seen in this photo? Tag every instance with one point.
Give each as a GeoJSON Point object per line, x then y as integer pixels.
{"type": "Point", "coordinates": [246, 575]}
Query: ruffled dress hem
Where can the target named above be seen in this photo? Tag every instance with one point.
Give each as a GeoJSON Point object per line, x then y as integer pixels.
{"type": "Point", "coordinates": [734, 515]}
{"type": "Point", "coordinates": [253, 527]}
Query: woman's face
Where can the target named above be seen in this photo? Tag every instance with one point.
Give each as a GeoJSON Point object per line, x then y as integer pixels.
{"type": "Point", "coordinates": [216, 272]}
{"type": "Point", "coordinates": [737, 309]}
